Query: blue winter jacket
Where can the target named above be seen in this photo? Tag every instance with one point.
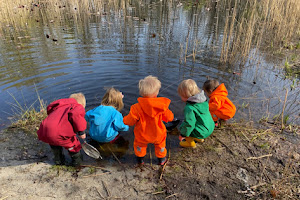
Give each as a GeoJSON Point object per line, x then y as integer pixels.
{"type": "Point", "coordinates": [105, 123]}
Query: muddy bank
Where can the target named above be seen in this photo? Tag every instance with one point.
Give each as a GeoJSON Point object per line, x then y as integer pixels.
{"type": "Point", "coordinates": [236, 162]}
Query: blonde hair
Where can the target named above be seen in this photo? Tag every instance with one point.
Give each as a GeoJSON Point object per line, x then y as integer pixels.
{"type": "Point", "coordinates": [113, 97]}
{"type": "Point", "coordinates": [188, 88]}
{"type": "Point", "coordinates": [210, 85]}
{"type": "Point", "coordinates": [80, 98]}
{"type": "Point", "coordinates": [148, 86]}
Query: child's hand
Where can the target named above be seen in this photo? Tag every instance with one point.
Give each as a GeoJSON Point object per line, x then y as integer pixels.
{"type": "Point", "coordinates": [82, 136]}
{"type": "Point", "coordinates": [181, 138]}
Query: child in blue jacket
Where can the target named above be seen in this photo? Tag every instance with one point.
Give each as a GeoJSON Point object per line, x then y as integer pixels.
{"type": "Point", "coordinates": [105, 120]}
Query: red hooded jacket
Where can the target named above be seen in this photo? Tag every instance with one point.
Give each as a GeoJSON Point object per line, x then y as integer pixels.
{"type": "Point", "coordinates": [148, 115]}
{"type": "Point", "coordinates": [65, 118]}
{"type": "Point", "coordinates": [220, 105]}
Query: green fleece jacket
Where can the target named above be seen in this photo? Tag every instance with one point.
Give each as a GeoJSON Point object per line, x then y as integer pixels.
{"type": "Point", "coordinates": [197, 122]}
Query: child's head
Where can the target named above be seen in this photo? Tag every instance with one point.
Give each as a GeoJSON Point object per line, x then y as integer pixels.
{"type": "Point", "coordinates": [149, 86]}
{"type": "Point", "coordinates": [210, 85]}
{"type": "Point", "coordinates": [114, 98]}
{"type": "Point", "coordinates": [187, 88]}
{"type": "Point", "coordinates": [79, 97]}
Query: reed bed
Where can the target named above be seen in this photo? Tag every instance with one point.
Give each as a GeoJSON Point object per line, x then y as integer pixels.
{"type": "Point", "coordinates": [258, 24]}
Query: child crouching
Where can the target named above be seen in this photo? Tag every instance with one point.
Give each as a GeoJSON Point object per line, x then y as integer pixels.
{"type": "Point", "coordinates": [148, 115]}
{"type": "Point", "coordinates": [198, 123]}
{"type": "Point", "coordinates": [65, 119]}
{"type": "Point", "coordinates": [220, 107]}
{"type": "Point", "coordinates": [106, 120]}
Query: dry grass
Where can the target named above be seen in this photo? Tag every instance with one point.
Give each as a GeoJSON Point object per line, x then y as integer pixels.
{"type": "Point", "coordinates": [27, 118]}
{"type": "Point", "coordinates": [271, 23]}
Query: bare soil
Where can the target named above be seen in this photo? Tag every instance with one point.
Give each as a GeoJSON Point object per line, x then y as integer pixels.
{"type": "Point", "coordinates": [236, 162]}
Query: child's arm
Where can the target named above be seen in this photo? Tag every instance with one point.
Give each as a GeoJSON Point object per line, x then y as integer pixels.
{"type": "Point", "coordinates": [76, 118]}
{"type": "Point", "coordinates": [214, 104]}
{"type": "Point", "coordinates": [132, 117]}
{"type": "Point", "coordinates": [168, 116]}
{"type": "Point", "coordinates": [188, 125]}
{"type": "Point", "coordinates": [119, 124]}
{"type": "Point", "coordinates": [87, 115]}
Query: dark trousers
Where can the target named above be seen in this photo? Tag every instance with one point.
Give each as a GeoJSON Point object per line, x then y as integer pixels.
{"type": "Point", "coordinates": [59, 158]}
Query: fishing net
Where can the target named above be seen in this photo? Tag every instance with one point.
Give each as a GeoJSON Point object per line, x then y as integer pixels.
{"type": "Point", "coordinates": [90, 150]}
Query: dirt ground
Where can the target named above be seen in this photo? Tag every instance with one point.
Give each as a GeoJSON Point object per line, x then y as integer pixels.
{"type": "Point", "coordinates": [235, 162]}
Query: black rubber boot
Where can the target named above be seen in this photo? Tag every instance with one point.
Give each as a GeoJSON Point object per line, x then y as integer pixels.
{"type": "Point", "coordinates": [59, 158]}
{"type": "Point", "coordinates": [140, 160]}
{"type": "Point", "coordinates": [162, 161]}
{"type": "Point", "coordinates": [76, 159]}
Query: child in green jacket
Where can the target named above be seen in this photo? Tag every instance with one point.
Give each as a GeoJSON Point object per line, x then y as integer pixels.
{"type": "Point", "coordinates": [198, 123]}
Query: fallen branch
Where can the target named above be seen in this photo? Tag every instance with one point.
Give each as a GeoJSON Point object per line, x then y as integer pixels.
{"type": "Point", "coordinates": [255, 158]}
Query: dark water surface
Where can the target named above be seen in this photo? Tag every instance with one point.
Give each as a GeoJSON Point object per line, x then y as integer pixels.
{"type": "Point", "coordinates": [118, 48]}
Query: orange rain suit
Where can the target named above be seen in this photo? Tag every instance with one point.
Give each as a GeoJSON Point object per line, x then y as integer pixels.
{"type": "Point", "coordinates": [219, 104]}
{"type": "Point", "coordinates": [148, 115]}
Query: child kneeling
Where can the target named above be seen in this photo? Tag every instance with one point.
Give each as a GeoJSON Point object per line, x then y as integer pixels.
{"type": "Point", "coordinates": [198, 123]}
{"type": "Point", "coordinates": [148, 115]}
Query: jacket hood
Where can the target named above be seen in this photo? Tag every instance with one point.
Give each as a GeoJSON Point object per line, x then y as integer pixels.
{"type": "Point", "coordinates": [154, 106]}
{"type": "Point", "coordinates": [60, 103]}
{"type": "Point", "coordinates": [220, 90]}
{"type": "Point", "coordinates": [197, 98]}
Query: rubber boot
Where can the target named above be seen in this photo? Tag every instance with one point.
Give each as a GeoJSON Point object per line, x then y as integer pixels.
{"type": "Point", "coordinates": [140, 160]}
{"type": "Point", "coordinates": [188, 143]}
{"type": "Point", "coordinates": [222, 123]}
{"type": "Point", "coordinates": [199, 140]}
{"type": "Point", "coordinates": [162, 161]}
{"type": "Point", "coordinates": [59, 158]}
{"type": "Point", "coordinates": [76, 158]}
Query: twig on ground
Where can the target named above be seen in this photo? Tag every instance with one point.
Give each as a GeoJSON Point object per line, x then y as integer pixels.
{"type": "Point", "coordinates": [99, 193]}
{"type": "Point", "coordinates": [171, 195]}
{"type": "Point", "coordinates": [106, 188]}
{"type": "Point", "coordinates": [254, 187]}
{"type": "Point", "coordinates": [158, 192]}
{"type": "Point", "coordinates": [231, 151]}
{"type": "Point", "coordinates": [115, 157]}
{"type": "Point", "coordinates": [282, 114]}
{"type": "Point", "coordinates": [94, 167]}
{"type": "Point", "coordinates": [162, 171]}
{"type": "Point", "coordinates": [95, 175]}
{"type": "Point", "coordinates": [255, 158]}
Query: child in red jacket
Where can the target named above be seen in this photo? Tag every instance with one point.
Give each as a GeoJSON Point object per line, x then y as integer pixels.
{"type": "Point", "coordinates": [220, 107]}
{"type": "Point", "coordinates": [148, 115]}
{"type": "Point", "coordinates": [65, 119]}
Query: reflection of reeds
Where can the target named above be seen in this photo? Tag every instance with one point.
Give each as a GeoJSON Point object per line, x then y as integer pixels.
{"type": "Point", "coordinates": [270, 22]}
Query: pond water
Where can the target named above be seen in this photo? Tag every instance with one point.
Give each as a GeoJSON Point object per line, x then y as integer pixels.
{"type": "Point", "coordinates": [119, 46]}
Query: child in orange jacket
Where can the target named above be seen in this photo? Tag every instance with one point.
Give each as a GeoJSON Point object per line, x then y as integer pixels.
{"type": "Point", "coordinates": [220, 106]}
{"type": "Point", "coordinates": [148, 115]}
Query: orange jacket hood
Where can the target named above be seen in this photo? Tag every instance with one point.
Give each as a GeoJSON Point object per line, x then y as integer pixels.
{"type": "Point", "coordinates": [154, 106]}
{"type": "Point", "coordinates": [220, 90]}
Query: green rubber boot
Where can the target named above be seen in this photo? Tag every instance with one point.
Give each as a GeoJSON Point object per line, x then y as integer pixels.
{"type": "Point", "coordinates": [59, 158]}
{"type": "Point", "coordinates": [76, 158]}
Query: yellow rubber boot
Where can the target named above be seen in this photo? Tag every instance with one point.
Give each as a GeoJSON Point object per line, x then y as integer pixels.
{"type": "Point", "coordinates": [188, 143]}
{"type": "Point", "coordinates": [199, 140]}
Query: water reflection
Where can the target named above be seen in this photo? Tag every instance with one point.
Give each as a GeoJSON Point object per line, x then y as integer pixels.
{"type": "Point", "coordinates": [122, 43]}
